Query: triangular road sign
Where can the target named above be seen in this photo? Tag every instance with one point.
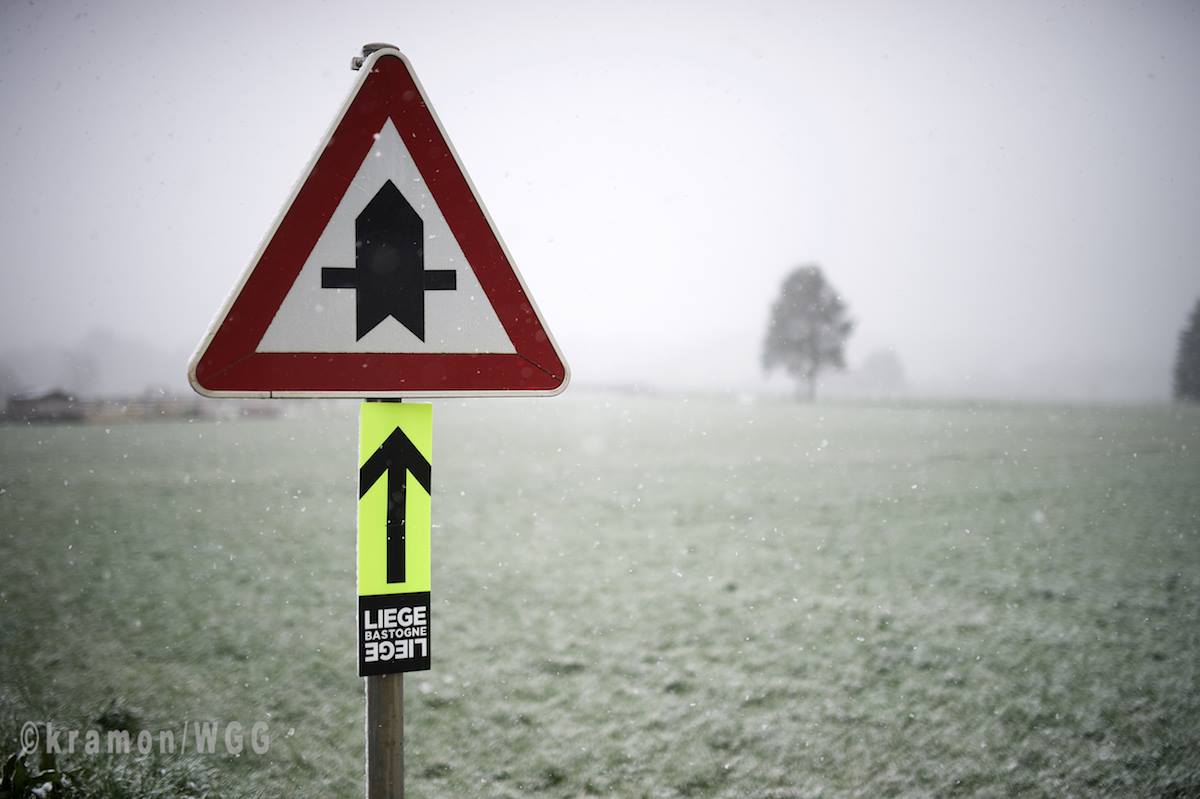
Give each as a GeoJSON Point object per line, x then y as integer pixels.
{"type": "Point", "coordinates": [383, 276]}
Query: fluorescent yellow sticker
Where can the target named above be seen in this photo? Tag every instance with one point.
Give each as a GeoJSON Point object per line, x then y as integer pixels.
{"type": "Point", "coordinates": [395, 450]}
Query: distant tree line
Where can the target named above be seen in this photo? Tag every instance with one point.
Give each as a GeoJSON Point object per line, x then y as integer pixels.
{"type": "Point", "coordinates": [1187, 359]}
{"type": "Point", "coordinates": [809, 325]}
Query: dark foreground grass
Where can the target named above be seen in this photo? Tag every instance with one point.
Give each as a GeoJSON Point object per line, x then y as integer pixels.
{"type": "Point", "coordinates": [635, 597]}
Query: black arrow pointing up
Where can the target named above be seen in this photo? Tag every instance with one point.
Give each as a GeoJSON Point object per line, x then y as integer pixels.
{"type": "Point", "coordinates": [395, 457]}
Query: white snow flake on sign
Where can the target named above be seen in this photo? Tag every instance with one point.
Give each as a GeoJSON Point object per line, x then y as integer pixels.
{"type": "Point", "coordinates": [315, 319]}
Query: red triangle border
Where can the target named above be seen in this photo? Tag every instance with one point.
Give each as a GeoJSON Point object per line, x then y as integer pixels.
{"type": "Point", "coordinates": [228, 365]}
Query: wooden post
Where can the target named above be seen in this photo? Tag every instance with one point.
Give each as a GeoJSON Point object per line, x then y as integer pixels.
{"type": "Point", "coordinates": [385, 729]}
{"type": "Point", "coordinates": [385, 736]}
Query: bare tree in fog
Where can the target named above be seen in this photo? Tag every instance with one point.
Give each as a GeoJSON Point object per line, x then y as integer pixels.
{"type": "Point", "coordinates": [1187, 361]}
{"type": "Point", "coordinates": [807, 330]}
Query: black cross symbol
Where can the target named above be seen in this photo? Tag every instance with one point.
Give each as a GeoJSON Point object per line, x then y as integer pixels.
{"type": "Point", "coordinates": [389, 276]}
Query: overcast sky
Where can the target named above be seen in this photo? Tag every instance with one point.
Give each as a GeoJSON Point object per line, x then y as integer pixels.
{"type": "Point", "coordinates": [1006, 194]}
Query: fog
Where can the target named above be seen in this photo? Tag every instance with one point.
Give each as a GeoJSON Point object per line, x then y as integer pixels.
{"type": "Point", "coordinates": [1006, 194]}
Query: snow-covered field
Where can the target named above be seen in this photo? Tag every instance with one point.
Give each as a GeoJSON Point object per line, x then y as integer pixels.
{"type": "Point", "coordinates": [633, 597]}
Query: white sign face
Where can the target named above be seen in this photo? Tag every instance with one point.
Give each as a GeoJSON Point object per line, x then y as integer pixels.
{"type": "Point", "coordinates": [313, 318]}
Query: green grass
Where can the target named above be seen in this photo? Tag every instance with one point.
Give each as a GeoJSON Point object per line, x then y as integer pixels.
{"type": "Point", "coordinates": [634, 597]}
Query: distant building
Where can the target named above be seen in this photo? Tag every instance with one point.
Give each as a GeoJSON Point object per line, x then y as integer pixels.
{"type": "Point", "coordinates": [152, 405]}
{"type": "Point", "coordinates": [56, 406]}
